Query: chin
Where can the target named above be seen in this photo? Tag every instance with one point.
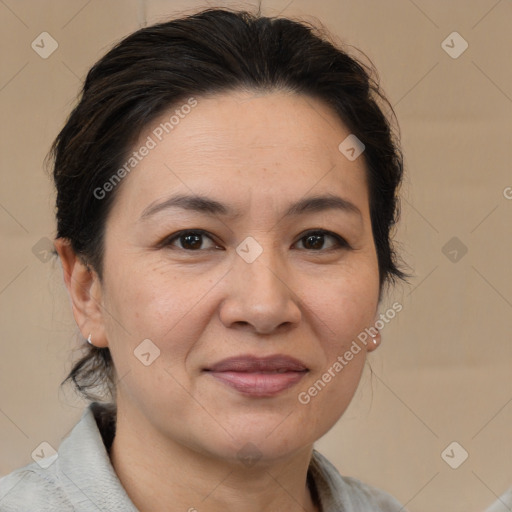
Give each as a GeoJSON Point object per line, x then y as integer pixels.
{"type": "Point", "coordinates": [262, 443]}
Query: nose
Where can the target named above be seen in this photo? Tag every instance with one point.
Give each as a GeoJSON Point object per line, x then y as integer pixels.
{"type": "Point", "coordinates": [260, 296]}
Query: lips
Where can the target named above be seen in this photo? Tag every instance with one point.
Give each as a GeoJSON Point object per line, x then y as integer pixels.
{"type": "Point", "coordinates": [258, 364]}
{"type": "Point", "coordinates": [259, 377]}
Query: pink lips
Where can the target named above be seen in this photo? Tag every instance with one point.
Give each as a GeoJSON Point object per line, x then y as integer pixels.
{"type": "Point", "coordinates": [259, 377]}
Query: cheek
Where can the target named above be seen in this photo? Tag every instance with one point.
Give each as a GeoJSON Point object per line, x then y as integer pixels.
{"type": "Point", "coordinates": [346, 306]}
{"type": "Point", "coordinates": [343, 309]}
{"type": "Point", "coordinates": [147, 302]}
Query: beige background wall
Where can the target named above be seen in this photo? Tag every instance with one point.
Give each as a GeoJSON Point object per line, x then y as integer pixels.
{"type": "Point", "coordinates": [443, 371]}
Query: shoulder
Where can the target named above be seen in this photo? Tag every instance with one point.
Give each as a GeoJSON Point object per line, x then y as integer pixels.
{"type": "Point", "coordinates": [503, 503]}
{"type": "Point", "coordinates": [32, 488]}
{"type": "Point", "coordinates": [79, 477]}
{"type": "Point", "coordinates": [337, 492]}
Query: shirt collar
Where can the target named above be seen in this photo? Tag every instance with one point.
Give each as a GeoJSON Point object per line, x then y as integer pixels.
{"type": "Point", "coordinates": [84, 465]}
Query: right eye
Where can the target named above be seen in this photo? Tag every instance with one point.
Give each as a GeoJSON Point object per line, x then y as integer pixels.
{"type": "Point", "coordinates": [190, 240]}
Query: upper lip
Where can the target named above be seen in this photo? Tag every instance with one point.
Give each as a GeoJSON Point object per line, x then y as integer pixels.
{"type": "Point", "coordinates": [249, 363]}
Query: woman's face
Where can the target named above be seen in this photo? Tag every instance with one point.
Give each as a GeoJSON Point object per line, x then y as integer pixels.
{"type": "Point", "coordinates": [260, 286]}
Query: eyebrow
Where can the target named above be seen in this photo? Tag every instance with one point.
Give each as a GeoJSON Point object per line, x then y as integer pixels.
{"type": "Point", "coordinates": [209, 206]}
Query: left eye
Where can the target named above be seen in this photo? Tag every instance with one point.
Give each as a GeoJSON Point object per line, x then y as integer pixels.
{"type": "Point", "coordinates": [315, 239]}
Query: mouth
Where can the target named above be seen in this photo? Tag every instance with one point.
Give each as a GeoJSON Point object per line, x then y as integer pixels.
{"type": "Point", "coordinates": [259, 377]}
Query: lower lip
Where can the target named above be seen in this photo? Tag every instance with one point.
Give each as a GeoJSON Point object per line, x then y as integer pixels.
{"type": "Point", "coordinates": [259, 384]}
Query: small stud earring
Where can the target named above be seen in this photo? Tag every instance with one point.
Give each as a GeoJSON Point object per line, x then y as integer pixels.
{"type": "Point", "coordinates": [89, 339]}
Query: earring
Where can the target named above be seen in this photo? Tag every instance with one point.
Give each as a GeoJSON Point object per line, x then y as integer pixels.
{"type": "Point", "coordinates": [89, 339]}
{"type": "Point", "coordinates": [376, 338]}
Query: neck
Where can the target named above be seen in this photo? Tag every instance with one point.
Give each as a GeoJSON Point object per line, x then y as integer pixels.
{"type": "Point", "coordinates": [158, 472]}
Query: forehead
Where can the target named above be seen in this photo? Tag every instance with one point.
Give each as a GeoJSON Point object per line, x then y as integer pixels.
{"type": "Point", "coordinates": [241, 145]}
{"type": "Point", "coordinates": [235, 123]}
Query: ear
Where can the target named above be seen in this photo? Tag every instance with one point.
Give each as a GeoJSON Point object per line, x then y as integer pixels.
{"type": "Point", "coordinates": [85, 292]}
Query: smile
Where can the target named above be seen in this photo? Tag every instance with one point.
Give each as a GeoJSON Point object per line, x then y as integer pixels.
{"type": "Point", "coordinates": [259, 377]}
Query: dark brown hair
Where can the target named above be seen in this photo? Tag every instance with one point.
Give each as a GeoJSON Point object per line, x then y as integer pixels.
{"type": "Point", "coordinates": [212, 51]}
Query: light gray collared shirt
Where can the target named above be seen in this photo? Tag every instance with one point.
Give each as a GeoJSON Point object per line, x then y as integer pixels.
{"type": "Point", "coordinates": [81, 478]}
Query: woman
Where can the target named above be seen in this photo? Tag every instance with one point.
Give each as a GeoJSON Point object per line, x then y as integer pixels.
{"type": "Point", "coordinates": [226, 189]}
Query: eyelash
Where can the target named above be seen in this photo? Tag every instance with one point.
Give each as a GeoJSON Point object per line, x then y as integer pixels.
{"type": "Point", "coordinates": [340, 241]}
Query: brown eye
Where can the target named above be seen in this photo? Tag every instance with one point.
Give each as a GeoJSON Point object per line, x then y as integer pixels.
{"type": "Point", "coordinates": [191, 240]}
{"type": "Point", "coordinates": [315, 240]}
